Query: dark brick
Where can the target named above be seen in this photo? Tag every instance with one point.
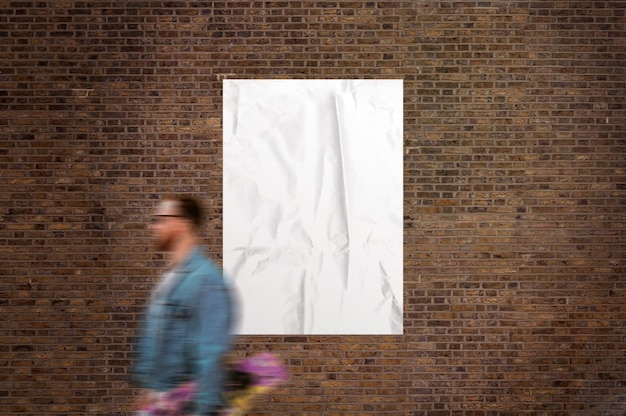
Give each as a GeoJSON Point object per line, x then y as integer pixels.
{"type": "Point", "coordinates": [514, 195]}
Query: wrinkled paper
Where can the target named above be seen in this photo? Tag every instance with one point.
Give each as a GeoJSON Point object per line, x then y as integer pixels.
{"type": "Point", "coordinates": [313, 205]}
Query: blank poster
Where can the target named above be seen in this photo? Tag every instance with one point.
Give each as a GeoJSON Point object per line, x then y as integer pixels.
{"type": "Point", "coordinates": [313, 205]}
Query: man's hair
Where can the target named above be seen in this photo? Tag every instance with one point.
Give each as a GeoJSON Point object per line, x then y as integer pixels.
{"type": "Point", "coordinates": [190, 208]}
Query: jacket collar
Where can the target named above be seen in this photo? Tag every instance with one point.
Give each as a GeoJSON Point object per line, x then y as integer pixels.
{"type": "Point", "coordinates": [191, 258]}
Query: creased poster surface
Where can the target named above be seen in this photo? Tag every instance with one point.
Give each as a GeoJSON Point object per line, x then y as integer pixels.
{"type": "Point", "coordinates": [313, 205]}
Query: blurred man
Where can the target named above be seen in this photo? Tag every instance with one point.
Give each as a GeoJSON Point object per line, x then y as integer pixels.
{"type": "Point", "coordinates": [187, 330]}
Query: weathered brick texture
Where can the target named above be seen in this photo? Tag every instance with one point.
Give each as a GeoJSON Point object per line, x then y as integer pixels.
{"type": "Point", "coordinates": [515, 183]}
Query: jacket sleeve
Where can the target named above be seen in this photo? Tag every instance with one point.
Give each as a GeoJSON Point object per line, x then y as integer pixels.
{"type": "Point", "coordinates": [211, 340]}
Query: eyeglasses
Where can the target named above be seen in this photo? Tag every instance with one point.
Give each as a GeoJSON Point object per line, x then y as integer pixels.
{"type": "Point", "coordinates": [159, 218]}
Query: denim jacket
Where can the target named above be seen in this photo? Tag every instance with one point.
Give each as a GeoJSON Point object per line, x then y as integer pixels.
{"type": "Point", "coordinates": [187, 332]}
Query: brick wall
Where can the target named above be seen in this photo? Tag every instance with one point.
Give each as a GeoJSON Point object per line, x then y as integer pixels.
{"type": "Point", "coordinates": [514, 209]}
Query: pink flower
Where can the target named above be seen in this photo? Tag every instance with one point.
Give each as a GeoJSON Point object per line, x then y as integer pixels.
{"type": "Point", "coordinates": [265, 368]}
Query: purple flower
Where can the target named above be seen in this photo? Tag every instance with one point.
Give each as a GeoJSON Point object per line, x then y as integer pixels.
{"type": "Point", "coordinates": [265, 368]}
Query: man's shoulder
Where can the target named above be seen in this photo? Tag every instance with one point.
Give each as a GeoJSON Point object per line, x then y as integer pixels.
{"type": "Point", "coordinates": [204, 267]}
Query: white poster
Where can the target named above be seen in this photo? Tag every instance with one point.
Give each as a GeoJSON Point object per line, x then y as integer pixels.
{"type": "Point", "coordinates": [313, 205]}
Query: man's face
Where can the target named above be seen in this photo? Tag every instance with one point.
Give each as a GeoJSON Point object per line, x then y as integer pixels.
{"type": "Point", "coordinates": [165, 223]}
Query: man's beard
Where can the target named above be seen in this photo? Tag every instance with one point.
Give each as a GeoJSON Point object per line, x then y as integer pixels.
{"type": "Point", "coordinates": [164, 244]}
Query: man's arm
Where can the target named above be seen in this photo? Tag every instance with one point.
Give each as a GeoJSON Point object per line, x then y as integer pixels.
{"type": "Point", "coordinates": [212, 326]}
